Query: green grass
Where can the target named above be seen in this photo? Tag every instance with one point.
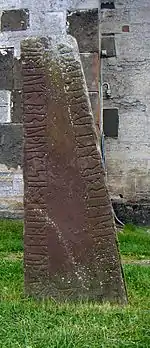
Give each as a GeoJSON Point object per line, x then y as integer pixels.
{"type": "Point", "coordinates": [27, 323]}
{"type": "Point", "coordinates": [11, 236]}
{"type": "Point", "coordinates": [135, 242]}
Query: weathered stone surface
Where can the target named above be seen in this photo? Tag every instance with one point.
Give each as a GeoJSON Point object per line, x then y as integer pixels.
{"type": "Point", "coordinates": [90, 62]}
{"type": "Point", "coordinates": [17, 112]}
{"type": "Point", "coordinates": [127, 158]}
{"type": "Point", "coordinates": [70, 243]}
{"type": "Point", "coordinates": [11, 145]}
{"type": "Point", "coordinates": [5, 101]}
{"type": "Point", "coordinates": [6, 68]}
{"type": "Point", "coordinates": [83, 25]}
{"type": "Point", "coordinates": [95, 103]}
{"type": "Point", "coordinates": [13, 20]}
{"type": "Point", "coordinates": [17, 75]}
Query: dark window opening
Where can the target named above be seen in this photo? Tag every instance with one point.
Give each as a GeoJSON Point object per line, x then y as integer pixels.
{"type": "Point", "coordinates": [14, 20]}
{"type": "Point", "coordinates": [110, 123]}
{"type": "Point", "coordinates": [107, 5]}
{"type": "Point", "coordinates": [108, 45]}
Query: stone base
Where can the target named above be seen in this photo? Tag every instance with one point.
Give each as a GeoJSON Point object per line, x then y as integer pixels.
{"type": "Point", "coordinates": [137, 213]}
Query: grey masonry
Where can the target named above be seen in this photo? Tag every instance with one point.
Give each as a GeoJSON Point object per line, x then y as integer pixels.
{"type": "Point", "coordinates": [19, 20]}
{"type": "Point", "coordinates": [128, 154]}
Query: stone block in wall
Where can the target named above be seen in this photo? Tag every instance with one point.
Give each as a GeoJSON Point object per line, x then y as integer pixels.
{"type": "Point", "coordinates": [129, 82]}
{"type": "Point", "coordinates": [133, 127]}
{"type": "Point", "coordinates": [6, 68]}
{"type": "Point", "coordinates": [83, 25]}
{"type": "Point", "coordinates": [11, 193]}
{"type": "Point", "coordinates": [17, 109]}
{"type": "Point", "coordinates": [11, 138]}
{"type": "Point", "coordinates": [140, 15]}
{"type": "Point", "coordinates": [90, 63]}
{"type": "Point", "coordinates": [11, 184]}
{"type": "Point", "coordinates": [83, 4]}
{"type": "Point", "coordinates": [5, 105]}
{"type": "Point", "coordinates": [48, 22]}
{"type": "Point", "coordinates": [14, 20]}
{"type": "Point", "coordinates": [142, 183]}
{"type": "Point", "coordinates": [113, 20]}
{"type": "Point", "coordinates": [129, 186]}
{"type": "Point", "coordinates": [52, 5]}
{"type": "Point", "coordinates": [115, 185]}
{"type": "Point", "coordinates": [132, 47]}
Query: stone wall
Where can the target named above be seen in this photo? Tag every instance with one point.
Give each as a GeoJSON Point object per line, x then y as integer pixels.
{"type": "Point", "coordinates": [18, 20]}
{"type": "Point", "coordinates": [127, 71]}
{"type": "Point", "coordinates": [124, 28]}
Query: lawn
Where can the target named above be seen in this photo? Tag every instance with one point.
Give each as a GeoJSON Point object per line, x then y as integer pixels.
{"type": "Point", "coordinates": [27, 323]}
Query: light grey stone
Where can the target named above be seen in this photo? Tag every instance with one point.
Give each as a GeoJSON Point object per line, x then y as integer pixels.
{"type": "Point", "coordinates": [5, 106]}
{"type": "Point", "coordinates": [128, 157]}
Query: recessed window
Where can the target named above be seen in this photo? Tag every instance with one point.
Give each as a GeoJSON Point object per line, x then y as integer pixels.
{"type": "Point", "coordinates": [108, 45]}
{"type": "Point", "coordinates": [125, 28]}
{"type": "Point", "coordinates": [14, 20]}
{"type": "Point", "coordinates": [110, 122]}
{"type": "Point", "coordinates": [105, 4]}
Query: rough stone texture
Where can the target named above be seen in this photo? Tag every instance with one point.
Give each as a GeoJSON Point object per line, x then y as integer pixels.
{"type": "Point", "coordinates": [17, 74]}
{"type": "Point", "coordinates": [136, 213]}
{"type": "Point", "coordinates": [11, 145]}
{"type": "Point", "coordinates": [108, 45]}
{"type": "Point", "coordinates": [11, 192]}
{"type": "Point", "coordinates": [70, 245]}
{"type": "Point", "coordinates": [5, 100]}
{"type": "Point", "coordinates": [52, 5]}
{"type": "Point", "coordinates": [90, 62]}
{"type": "Point", "coordinates": [95, 103]}
{"type": "Point", "coordinates": [17, 109]}
{"type": "Point", "coordinates": [42, 22]}
{"type": "Point", "coordinates": [83, 25]}
{"type": "Point", "coordinates": [128, 157]}
{"type": "Point", "coordinates": [13, 20]}
{"type": "Point", "coordinates": [47, 17]}
{"type": "Point", "coordinates": [6, 68]}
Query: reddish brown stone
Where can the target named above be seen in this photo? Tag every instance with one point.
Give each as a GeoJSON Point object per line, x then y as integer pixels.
{"type": "Point", "coordinates": [90, 62]}
{"type": "Point", "coordinates": [70, 243]}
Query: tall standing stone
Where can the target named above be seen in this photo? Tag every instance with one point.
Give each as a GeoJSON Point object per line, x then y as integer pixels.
{"type": "Point", "coordinates": [70, 242]}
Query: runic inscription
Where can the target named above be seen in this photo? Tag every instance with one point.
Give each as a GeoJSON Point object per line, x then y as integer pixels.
{"type": "Point", "coordinates": [70, 243]}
